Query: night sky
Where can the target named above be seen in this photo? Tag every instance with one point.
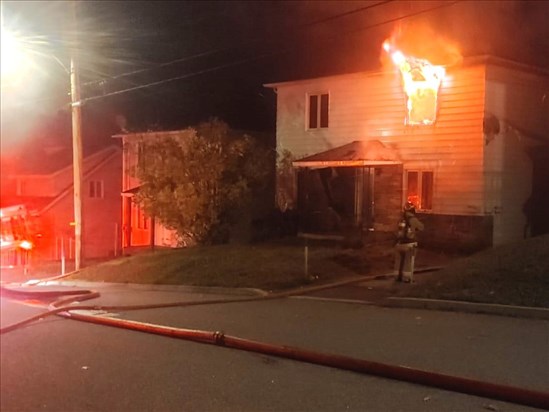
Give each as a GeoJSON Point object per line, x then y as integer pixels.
{"type": "Point", "coordinates": [223, 53]}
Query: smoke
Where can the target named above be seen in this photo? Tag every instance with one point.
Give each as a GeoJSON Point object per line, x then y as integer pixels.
{"type": "Point", "coordinates": [420, 39]}
{"type": "Point", "coordinates": [514, 29]}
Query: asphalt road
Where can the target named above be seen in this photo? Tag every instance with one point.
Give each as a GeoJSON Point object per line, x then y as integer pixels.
{"type": "Point", "coordinates": [65, 365]}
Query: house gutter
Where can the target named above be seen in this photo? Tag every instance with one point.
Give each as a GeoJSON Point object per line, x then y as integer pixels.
{"type": "Point", "coordinates": [343, 163]}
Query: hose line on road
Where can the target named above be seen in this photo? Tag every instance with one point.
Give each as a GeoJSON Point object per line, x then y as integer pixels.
{"type": "Point", "coordinates": [60, 307]}
{"type": "Point", "coordinates": [83, 295]}
{"type": "Point", "coordinates": [417, 376]}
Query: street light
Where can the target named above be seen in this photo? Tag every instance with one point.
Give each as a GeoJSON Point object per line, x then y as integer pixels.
{"type": "Point", "coordinates": [15, 61]}
{"type": "Point", "coordinates": [11, 53]}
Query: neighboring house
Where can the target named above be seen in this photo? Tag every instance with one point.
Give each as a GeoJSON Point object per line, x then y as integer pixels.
{"type": "Point", "coordinates": [43, 182]}
{"type": "Point", "coordinates": [139, 230]}
{"type": "Point", "coordinates": [474, 165]}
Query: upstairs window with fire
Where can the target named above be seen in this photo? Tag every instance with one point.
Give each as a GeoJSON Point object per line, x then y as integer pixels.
{"type": "Point", "coordinates": [421, 82]}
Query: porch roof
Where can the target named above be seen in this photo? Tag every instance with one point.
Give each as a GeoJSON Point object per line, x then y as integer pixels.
{"type": "Point", "coordinates": [130, 192]}
{"type": "Point", "coordinates": [354, 154]}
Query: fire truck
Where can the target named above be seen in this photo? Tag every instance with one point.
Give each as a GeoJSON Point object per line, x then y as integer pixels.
{"type": "Point", "coordinates": [16, 239]}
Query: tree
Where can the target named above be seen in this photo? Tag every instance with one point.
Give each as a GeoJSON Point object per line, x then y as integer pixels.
{"type": "Point", "coordinates": [195, 182]}
{"type": "Point", "coordinates": [285, 181]}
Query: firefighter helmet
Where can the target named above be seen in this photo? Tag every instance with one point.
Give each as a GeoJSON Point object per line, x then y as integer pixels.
{"type": "Point", "coordinates": [409, 207]}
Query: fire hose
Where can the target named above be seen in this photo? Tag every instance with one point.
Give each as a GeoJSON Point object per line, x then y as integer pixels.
{"type": "Point", "coordinates": [468, 386]}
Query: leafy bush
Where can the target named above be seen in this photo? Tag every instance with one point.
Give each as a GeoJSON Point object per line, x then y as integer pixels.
{"type": "Point", "coordinates": [196, 182]}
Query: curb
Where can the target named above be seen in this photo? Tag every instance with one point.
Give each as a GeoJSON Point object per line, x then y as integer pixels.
{"type": "Point", "coordinates": [457, 306]}
{"type": "Point", "coordinates": [56, 281]}
{"type": "Point", "coordinates": [390, 302]}
{"type": "Point", "coordinates": [164, 288]}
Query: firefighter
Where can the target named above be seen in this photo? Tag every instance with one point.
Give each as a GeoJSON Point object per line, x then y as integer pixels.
{"type": "Point", "coordinates": [406, 246]}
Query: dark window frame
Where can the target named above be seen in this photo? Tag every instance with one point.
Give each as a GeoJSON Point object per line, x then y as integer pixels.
{"type": "Point", "coordinates": [96, 189]}
{"type": "Point", "coordinates": [318, 111]}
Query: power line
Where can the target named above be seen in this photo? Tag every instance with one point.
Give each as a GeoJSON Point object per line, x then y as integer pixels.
{"type": "Point", "coordinates": [241, 61]}
{"type": "Point", "coordinates": [347, 13]}
{"type": "Point", "coordinates": [442, 6]}
{"type": "Point", "coordinates": [203, 54]}
{"type": "Point", "coordinates": [211, 52]}
{"type": "Point", "coordinates": [223, 66]}
{"type": "Point", "coordinates": [249, 59]}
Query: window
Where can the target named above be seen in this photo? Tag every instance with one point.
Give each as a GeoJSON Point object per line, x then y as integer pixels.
{"type": "Point", "coordinates": [419, 189]}
{"type": "Point", "coordinates": [96, 188]}
{"type": "Point", "coordinates": [318, 111]}
{"type": "Point", "coordinates": [142, 220]}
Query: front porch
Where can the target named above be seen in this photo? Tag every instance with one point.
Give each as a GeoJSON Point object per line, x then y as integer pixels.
{"type": "Point", "coordinates": [349, 191]}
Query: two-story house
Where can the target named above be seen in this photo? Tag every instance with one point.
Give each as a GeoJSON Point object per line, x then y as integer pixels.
{"type": "Point", "coordinates": [43, 182]}
{"type": "Point", "coordinates": [471, 157]}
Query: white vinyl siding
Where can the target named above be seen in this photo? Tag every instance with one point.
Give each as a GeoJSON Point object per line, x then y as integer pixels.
{"type": "Point", "coordinates": [372, 106]}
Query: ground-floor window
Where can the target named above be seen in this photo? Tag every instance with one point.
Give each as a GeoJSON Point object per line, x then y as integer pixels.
{"type": "Point", "coordinates": [419, 188]}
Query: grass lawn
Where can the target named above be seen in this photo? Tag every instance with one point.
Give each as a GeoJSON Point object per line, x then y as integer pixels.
{"type": "Point", "coordinates": [269, 266]}
{"type": "Point", "coordinates": [513, 274]}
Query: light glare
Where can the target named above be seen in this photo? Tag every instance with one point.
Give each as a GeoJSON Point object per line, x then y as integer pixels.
{"type": "Point", "coordinates": [15, 60]}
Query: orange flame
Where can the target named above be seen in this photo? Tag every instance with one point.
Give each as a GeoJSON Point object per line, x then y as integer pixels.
{"type": "Point", "coordinates": [421, 81]}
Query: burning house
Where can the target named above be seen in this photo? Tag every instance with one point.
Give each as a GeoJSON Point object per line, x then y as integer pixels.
{"type": "Point", "coordinates": [466, 143]}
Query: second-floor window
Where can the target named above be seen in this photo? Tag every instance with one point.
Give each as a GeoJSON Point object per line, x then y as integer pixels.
{"type": "Point", "coordinates": [318, 111]}
{"type": "Point", "coordinates": [420, 188]}
{"type": "Point", "coordinates": [96, 188]}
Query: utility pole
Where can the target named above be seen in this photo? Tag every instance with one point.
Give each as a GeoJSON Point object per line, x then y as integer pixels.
{"type": "Point", "coordinates": [76, 109]}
